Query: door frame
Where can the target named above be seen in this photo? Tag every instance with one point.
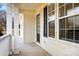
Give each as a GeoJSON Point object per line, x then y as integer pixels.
{"type": "Point", "coordinates": [36, 27]}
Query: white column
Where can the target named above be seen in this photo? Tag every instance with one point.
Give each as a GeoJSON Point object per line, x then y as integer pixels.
{"type": "Point", "coordinates": [9, 19]}
{"type": "Point", "coordinates": [9, 24]}
{"type": "Point", "coordinates": [16, 27]}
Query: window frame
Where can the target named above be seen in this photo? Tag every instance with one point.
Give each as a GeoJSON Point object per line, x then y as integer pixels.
{"type": "Point", "coordinates": [45, 22]}
{"type": "Point", "coordinates": [48, 20]}
{"type": "Point", "coordinates": [57, 18]}
{"type": "Point", "coordinates": [67, 16]}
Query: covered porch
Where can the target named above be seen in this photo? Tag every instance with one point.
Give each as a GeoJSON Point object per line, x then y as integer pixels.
{"type": "Point", "coordinates": [40, 29]}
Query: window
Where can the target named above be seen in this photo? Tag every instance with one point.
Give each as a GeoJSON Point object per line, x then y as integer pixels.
{"type": "Point", "coordinates": [68, 18]}
{"type": "Point", "coordinates": [51, 20]}
{"type": "Point", "coordinates": [45, 22]}
{"type": "Point", "coordinates": [66, 29]}
{"type": "Point", "coordinates": [69, 26]}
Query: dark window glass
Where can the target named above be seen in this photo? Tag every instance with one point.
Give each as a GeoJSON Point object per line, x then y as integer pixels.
{"type": "Point", "coordinates": [62, 29]}
{"type": "Point", "coordinates": [45, 22]}
{"type": "Point", "coordinates": [38, 27]}
{"type": "Point", "coordinates": [52, 29]}
{"type": "Point", "coordinates": [66, 29]}
{"type": "Point", "coordinates": [69, 28]}
{"type": "Point", "coordinates": [77, 28]}
{"type": "Point", "coordinates": [62, 23]}
{"type": "Point", "coordinates": [77, 36]}
{"type": "Point", "coordinates": [69, 35]}
{"type": "Point", "coordinates": [76, 4]}
{"type": "Point", "coordinates": [61, 11]}
{"type": "Point", "coordinates": [62, 34]}
{"type": "Point", "coordinates": [69, 23]}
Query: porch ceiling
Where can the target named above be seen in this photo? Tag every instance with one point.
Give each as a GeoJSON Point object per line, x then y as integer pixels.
{"type": "Point", "coordinates": [29, 6]}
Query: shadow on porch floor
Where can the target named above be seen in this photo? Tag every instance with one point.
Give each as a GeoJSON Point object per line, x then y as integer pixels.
{"type": "Point", "coordinates": [32, 49]}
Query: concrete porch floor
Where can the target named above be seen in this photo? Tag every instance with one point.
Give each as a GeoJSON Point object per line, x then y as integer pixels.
{"type": "Point", "coordinates": [32, 49]}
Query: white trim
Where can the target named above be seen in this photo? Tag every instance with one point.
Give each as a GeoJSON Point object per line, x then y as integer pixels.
{"type": "Point", "coordinates": [38, 44]}
{"type": "Point", "coordinates": [36, 28]}
{"type": "Point", "coordinates": [68, 15]}
{"type": "Point", "coordinates": [51, 19]}
{"type": "Point", "coordinates": [57, 22]}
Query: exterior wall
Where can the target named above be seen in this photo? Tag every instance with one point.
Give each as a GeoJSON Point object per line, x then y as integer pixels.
{"type": "Point", "coordinates": [55, 46]}
{"type": "Point", "coordinates": [29, 26]}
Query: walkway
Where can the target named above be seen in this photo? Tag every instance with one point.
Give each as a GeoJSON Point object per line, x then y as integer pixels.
{"type": "Point", "coordinates": [32, 49]}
